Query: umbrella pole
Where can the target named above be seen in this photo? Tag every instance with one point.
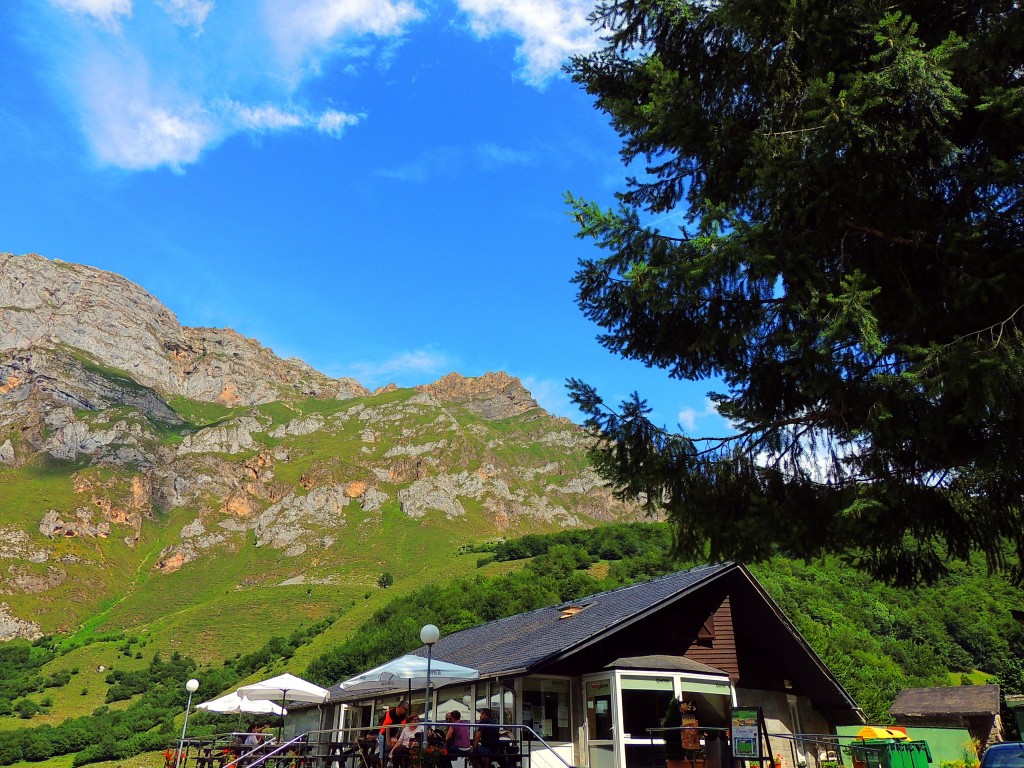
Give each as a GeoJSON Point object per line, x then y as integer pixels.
{"type": "Point", "coordinates": [280, 728]}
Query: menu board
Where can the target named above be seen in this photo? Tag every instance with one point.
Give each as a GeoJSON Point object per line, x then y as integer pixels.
{"type": "Point", "coordinates": [746, 734]}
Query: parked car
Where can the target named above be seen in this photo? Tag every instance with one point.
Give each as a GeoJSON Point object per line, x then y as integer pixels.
{"type": "Point", "coordinates": [1009, 754]}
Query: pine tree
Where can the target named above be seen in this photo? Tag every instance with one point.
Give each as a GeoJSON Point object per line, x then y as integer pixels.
{"type": "Point", "coordinates": [850, 266]}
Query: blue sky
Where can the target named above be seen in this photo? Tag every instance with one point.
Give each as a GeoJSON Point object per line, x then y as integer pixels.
{"type": "Point", "coordinates": [374, 186]}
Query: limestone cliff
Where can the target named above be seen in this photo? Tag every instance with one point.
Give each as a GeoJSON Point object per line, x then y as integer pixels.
{"type": "Point", "coordinates": [50, 304]}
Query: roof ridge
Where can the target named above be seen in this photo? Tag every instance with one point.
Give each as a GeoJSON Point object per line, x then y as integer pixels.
{"type": "Point", "coordinates": [645, 583]}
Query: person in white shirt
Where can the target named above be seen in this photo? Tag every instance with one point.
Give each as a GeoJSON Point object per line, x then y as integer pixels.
{"type": "Point", "coordinates": [410, 737]}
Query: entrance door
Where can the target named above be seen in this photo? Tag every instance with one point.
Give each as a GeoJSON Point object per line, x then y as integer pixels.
{"type": "Point", "coordinates": [644, 701]}
{"type": "Point", "coordinates": [599, 698]}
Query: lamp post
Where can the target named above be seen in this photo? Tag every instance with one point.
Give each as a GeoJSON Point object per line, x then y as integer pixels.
{"type": "Point", "coordinates": [428, 636]}
{"type": "Point", "coordinates": [191, 687]}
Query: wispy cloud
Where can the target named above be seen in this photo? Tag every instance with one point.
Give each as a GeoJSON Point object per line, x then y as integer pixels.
{"type": "Point", "coordinates": [303, 31]}
{"type": "Point", "coordinates": [187, 13]}
{"type": "Point", "coordinates": [550, 30]}
{"type": "Point", "coordinates": [270, 117]}
{"type": "Point", "coordinates": [408, 368]}
{"type": "Point", "coordinates": [690, 418]}
{"type": "Point", "coordinates": [155, 84]}
{"type": "Point", "coordinates": [551, 395]}
{"type": "Point", "coordinates": [495, 157]}
{"type": "Point", "coordinates": [105, 11]}
{"type": "Point", "coordinates": [440, 161]}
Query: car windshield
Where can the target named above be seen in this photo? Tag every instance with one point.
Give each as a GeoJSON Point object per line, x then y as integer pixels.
{"type": "Point", "coordinates": [1005, 757]}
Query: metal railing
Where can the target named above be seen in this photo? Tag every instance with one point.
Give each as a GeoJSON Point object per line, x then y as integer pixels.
{"type": "Point", "coordinates": [339, 746]}
{"type": "Point", "coordinates": [824, 747]}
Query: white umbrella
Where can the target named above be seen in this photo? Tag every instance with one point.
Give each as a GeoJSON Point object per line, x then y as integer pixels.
{"type": "Point", "coordinates": [409, 671]}
{"type": "Point", "coordinates": [283, 688]}
{"type": "Point", "coordinates": [233, 704]}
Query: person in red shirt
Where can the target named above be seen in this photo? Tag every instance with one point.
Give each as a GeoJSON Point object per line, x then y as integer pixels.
{"type": "Point", "coordinates": [393, 717]}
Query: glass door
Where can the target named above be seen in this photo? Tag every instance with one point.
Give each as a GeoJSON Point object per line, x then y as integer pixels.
{"type": "Point", "coordinates": [645, 698]}
{"type": "Point", "coordinates": [599, 698]}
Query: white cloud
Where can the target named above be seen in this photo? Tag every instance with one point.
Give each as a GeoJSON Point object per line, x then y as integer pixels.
{"type": "Point", "coordinates": [301, 30]}
{"type": "Point", "coordinates": [550, 30]}
{"type": "Point", "coordinates": [415, 367]}
{"type": "Point", "coordinates": [690, 418]}
{"type": "Point", "coordinates": [131, 124]}
{"type": "Point", "coordinates": [334, 123]}
{"type": "Point", "coordinates": [148, 94]}
{"type": "Point", "coordinates": [270, 117]}
{"type": "Point", "coordinates": [495, 156]}
{"type": "Point", "coordinates": [187, 13]}
{"type": "Point", "coordinates": [106, 11]}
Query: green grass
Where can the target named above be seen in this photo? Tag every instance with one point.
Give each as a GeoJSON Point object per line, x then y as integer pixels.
{"type": "Point", "coordinates": [232, 599]}
{"type": "Point", "coordinates": [199, 414]}
{"type": "Point", "coordinates": [116, 375]}
{"type": "Point", "coordinates": [977, 677]}
{"type": "Point", "coordinates": [148, 760]}
{"type": "Point", "coordinates": [27, 492]}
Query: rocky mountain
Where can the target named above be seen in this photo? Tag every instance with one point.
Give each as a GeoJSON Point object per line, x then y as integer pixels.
{"type": "Point", "coordinates": [137, 453]}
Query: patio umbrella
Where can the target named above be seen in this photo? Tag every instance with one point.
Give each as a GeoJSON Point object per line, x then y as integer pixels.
{"type": "Point", "coordinates": [233, 704]}
{"type": "Point", "coordinates": [409, 671]}
{"type": "Point", "coordinates": [284, 688]}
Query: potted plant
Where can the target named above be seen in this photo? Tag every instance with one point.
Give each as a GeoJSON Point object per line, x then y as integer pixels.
{"type": "Point", "coordinates": [675, 757]}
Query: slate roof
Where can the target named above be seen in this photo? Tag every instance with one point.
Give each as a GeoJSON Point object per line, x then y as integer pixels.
{"type": "Point", "coordinates": [965, 700]}
{"type": "Point", "coordinates": [518, 644]}
{"type": "Point", "coordinates": [661, 662]}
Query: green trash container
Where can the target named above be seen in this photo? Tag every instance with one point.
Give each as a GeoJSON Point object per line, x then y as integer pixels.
{"type": "Point", "coordinates": [916, 754]}
{"type": "Point", "coordinates": [890, 753]}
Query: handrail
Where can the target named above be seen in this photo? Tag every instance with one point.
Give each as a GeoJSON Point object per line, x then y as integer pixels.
{"type": "Point", "coordinates": [523, 729]}
{"type": "Point", "coordinates": [510, 726]}
{"type": "Point", "coordinates": [259, 755]}
{"type": "Point", "coordinates": [262, 758]}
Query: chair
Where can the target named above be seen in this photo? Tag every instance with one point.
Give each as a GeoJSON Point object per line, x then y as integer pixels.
{"type": "Point", "coordinates": [366, 748]}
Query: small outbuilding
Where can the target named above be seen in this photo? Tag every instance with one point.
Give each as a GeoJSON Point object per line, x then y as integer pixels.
{"type": "Point", "coordinates": [973, 707]}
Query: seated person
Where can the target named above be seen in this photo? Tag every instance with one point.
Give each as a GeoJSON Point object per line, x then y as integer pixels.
{"type": "Point", "coordinates": [256, 737]}
{"type": "Point", "coordinates": [410, 737]}
{"type": "Point", "coordinates": [487, 740]}
{"type": "Point", "coordinates": [456, 739]}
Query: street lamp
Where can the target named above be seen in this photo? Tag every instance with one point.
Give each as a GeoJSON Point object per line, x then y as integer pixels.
{"type": "Point", "coordinates": [191, 687]}
{"type": "Point", "coordinates": [428, 636]}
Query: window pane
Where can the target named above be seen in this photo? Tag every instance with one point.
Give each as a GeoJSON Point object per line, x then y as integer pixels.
{"type": "Point", "coordinates": [599, 709]}
{"type": "Point", "coordinates": [642, 710]}
{"type": "Point", "coordinates": [546, 708]}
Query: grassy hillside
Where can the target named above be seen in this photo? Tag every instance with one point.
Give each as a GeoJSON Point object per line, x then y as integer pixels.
{"type": "Point", "coordinates": [875, 638]}
{"type": "Point", "coordinates": [111, 584]}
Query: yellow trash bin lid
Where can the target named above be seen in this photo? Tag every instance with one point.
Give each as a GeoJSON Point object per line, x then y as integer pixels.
{"type": "Point", "coordinates": [880, 732]}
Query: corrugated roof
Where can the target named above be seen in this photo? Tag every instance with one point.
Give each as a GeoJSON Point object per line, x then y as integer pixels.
{"type": "Point", "coordinates": [519, 643]}
{"type": "Point", "coordinates": [954, 700]}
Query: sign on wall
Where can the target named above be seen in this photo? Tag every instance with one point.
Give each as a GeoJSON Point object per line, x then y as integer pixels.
{"type": "Point", "coordinates": [746, 733]}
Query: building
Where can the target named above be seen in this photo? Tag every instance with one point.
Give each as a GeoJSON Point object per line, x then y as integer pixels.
{"type": "Point", "coordinates": [971, 707]}
{"type": "Point", "coordinates": [591, 677]}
